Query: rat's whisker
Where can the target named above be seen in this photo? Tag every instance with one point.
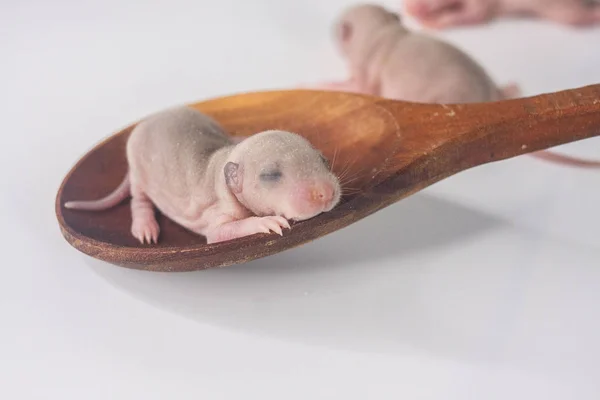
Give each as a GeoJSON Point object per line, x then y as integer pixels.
{"type": "Point", "coordinates": [349, 176]}
{"type": "Point", "coordinates": [351, 193]}
{"type": "Point", "coordinates": [344, 172]}
{"type": "Point", "coordinates": [348, 167]}
{"type": "Point", "coordinates": [334, 158]}
{"type": "Point", "coordinates": [348, 181]}
{"type": "Point", "coordinates": [346, 190]}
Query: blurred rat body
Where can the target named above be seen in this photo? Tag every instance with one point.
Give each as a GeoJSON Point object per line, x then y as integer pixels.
{"type": "Point", "coordinates": [440, 14]}
{"type": "Point", "coordinates": [182, 162]}
{"type": "Point", "coordinates": [387, 60]}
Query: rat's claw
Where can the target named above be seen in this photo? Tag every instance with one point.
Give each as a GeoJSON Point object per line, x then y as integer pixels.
{"type": "Point", "coordinates": [283, 222]}
{"type": "Point", "coordinates": [274, 223]}
{"type": "Point", "coordinates": [275, 227]}
{"type": "Point", "coordinates": [145, 230]}
{"type": "Point", "coordinates": [141, 239]}
{"type": "Point", "coordinates": [138, 236]}
{"type": "Point", "coordinates": [271, 225]}
{"type": "Point", "coordinates": [154, 235]}
{"type": "Point", "coordinates": [151, 236]}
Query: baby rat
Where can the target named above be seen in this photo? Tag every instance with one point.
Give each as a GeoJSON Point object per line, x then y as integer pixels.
{"type": "Point", "coordinates": [182, 162]}
{"type": "Point", "coordinates": [439, 14]}
{"type": "Point", "coordinates": [387, 60]}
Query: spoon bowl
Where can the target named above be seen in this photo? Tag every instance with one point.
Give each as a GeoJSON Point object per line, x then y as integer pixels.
{"type": "Point", "coordinates": [384, 150]}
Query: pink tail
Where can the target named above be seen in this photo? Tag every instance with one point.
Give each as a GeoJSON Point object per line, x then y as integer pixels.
{"type": "Point", "coordinates": [117, 196]}
{"type": "Point", "coordinates": [511, 91]}
{"type": "Point", "coordinates": [565, 160]}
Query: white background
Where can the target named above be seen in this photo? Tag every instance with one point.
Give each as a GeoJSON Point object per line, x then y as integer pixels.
{"type": "Point", "coordinates": [484, 286]}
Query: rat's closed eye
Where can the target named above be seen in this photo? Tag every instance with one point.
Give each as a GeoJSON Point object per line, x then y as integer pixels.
{"type": "Point", "coordinates": [271, 175]}
{"type": "Point", "coordinates": [325, 161]}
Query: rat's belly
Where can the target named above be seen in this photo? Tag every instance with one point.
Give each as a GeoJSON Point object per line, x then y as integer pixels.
{"type": "Point", "coordinates": [165, 179]}
{"type": "Point", "coordinates": [187, 211]}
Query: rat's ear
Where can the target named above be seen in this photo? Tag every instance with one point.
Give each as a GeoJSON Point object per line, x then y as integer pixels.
{"type": "Point", "coordinates": [345, 31]}
{"type": "Point", "coordinates": [234, 176]}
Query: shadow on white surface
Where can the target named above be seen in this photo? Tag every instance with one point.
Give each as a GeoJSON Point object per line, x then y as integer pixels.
{"type": "Point", "coordinates": [362, 288]}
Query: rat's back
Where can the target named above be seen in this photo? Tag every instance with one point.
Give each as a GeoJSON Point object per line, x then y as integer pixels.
{"type": "Point", "coordinates": [169, 151]}
{"type": "Point", "coordinates": [423, 69]}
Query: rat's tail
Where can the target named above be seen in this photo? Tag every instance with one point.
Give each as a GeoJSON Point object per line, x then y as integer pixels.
{"type": "Point", "coordinates": [511, 91]}
{"type": "Point", "coordinates": [565, 160]}
{"type": "Point", "coordinates": [114, 198]}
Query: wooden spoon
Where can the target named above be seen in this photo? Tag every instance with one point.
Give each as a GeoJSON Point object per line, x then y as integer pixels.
{"type": "Point", "coordinates": [388, 149]}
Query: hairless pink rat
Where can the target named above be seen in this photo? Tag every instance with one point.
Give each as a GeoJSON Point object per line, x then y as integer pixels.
{"type": "Point", "coordinates": [440, 14]}
{"type": "Point", "coordinates": [388, 60]}
{"type": "Point", "coordinates": [183, 163]}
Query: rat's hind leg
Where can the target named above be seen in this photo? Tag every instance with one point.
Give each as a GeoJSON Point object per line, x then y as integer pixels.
{"type": "Point", "coordinates": [144, 226]}
{"type": "Point", "coordinates": [574, 13]}
{"type": "Point", "coordinates": [440, 14]}
{"type": "Point", "coordinates": [467, 17]}
{"type": "Point", "coordinates": [428, 9]}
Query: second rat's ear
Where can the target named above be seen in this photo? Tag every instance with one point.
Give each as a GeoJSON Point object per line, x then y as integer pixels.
{"type": "Point", "coordinates": [234, 176]}
{"type": "Point", "coordinates": [345, 31]}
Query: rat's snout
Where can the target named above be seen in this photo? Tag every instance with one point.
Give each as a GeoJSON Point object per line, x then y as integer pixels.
{"type": "Point", "coordinates": [320, 193]}
{"type": "Point", "coordinates": [312, 198]}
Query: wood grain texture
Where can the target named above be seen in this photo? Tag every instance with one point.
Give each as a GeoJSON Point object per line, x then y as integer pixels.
{"type": "Point", "coordinates": [391, 149]}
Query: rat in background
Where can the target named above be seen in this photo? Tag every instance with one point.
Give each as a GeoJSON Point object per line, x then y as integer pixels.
{"type": "Point", "coordinates": [388, 60]}
{"type": "Point", "coordinates": [183, 163]}
{"type": "Point", "coordinates": [441, 14]}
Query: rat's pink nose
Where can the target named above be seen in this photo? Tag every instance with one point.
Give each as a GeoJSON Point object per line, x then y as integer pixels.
{"type": "Point", "coordinates": [321, 193]}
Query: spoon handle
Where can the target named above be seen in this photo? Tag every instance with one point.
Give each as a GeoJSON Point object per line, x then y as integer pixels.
{"type": "Point", "coordinates": [456, 137]}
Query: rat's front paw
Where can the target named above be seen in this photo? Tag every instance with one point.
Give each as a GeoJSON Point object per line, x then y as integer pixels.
{"type": "Point", "coordinates": [145, 230]}
{"type": "Point", "coordinates": [271, 223]}
{"type": "Point", "coordinates": [246, 227]}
